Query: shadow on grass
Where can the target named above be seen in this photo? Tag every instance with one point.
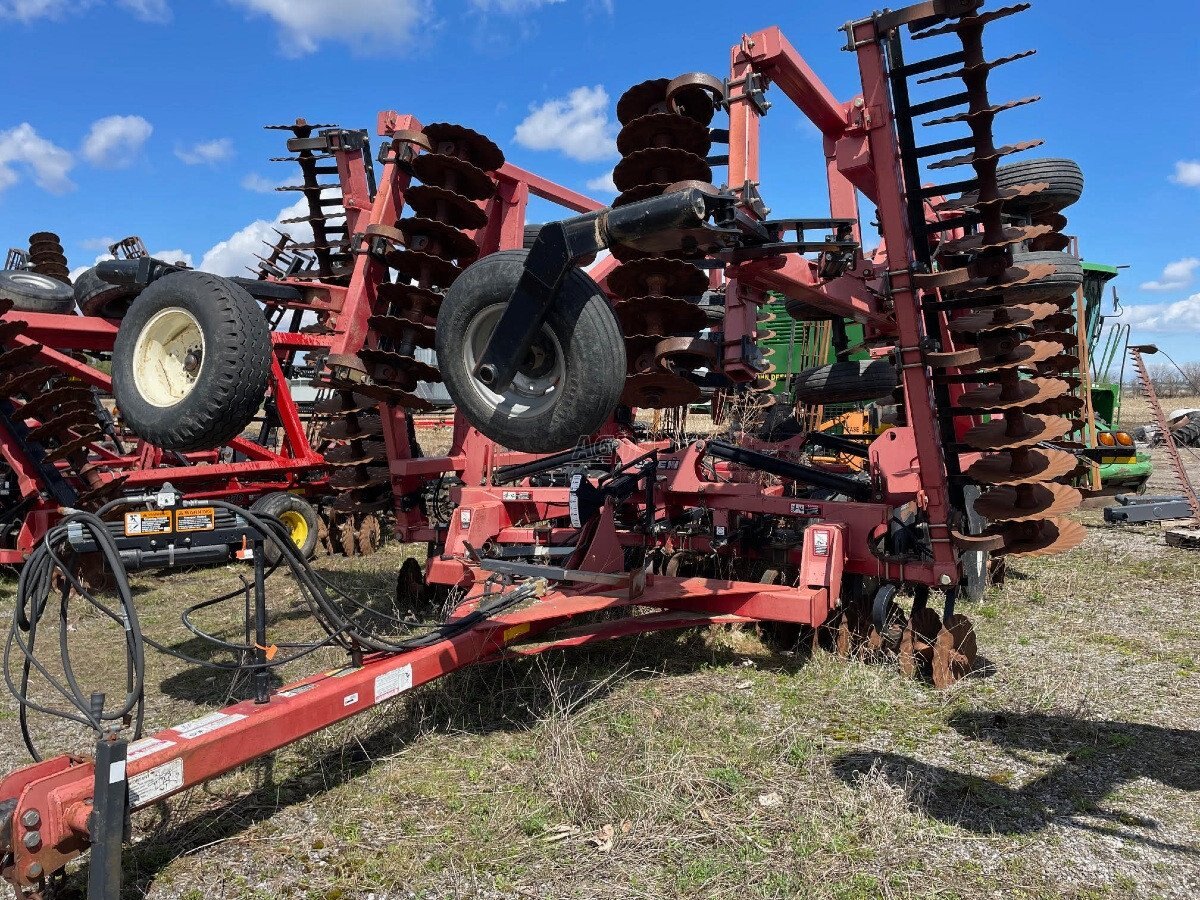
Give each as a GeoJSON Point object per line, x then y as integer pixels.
{"type": "Point", "coordinates": [483, 699]}
{"type": "Point", "coordinates": [1096, 759]}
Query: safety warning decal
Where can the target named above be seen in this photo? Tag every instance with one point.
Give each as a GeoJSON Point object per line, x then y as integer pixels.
{"type": "Point", "coordinates": [151, 521]}
{"type": "Point", "coordinates": [205, 724]}
{"type": "Point", "coordinates": [389, 684]}
{"type": "Point", "coordinates": [203, 518]}
{"type": "Point", "coordinates": [157, 782]}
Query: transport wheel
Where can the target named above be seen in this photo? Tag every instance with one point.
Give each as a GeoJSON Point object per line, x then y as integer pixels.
{"type": "Point", "coordinates": [298, 517]}
{"type": "Point", "coordinates": [1063, 175]}
{"type": "Point", "coordinates": [96, 297]}
{"type": "Point", "coordinates": [31, 292]}
{"type": "Point", "coordinates": [1067, 277]}
{"type": "Point", "coordinates": [569, 383]}
{"type": "Point", "coordinates": [846, 382]}
{"type": "Point", "coordinates": [191, 362]}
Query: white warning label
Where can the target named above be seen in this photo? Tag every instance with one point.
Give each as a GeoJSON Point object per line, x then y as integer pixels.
{"type": "Point", "coordinates": [157, 782]}
{"type": "Point", "coordinates": [206, 724]}
{"type": "Point", "coordinates": [392, 683]}
{"type": "Point", "coordinates": [145, 747]}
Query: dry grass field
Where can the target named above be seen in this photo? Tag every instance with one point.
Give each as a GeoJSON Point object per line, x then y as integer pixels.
{"type": "Point", "coordinates": [704, 765]}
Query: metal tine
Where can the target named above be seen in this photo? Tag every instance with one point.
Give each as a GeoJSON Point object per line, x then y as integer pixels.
{"type": "Point", "coordinates": [931, 64]}
{"type": "Point", "coordinates": [987, 111]}
{"type": "Point", "coordinates": [972, 158]}
{"type": "Point", "coordinates": [986, 67]}
{"type": "Point", "coordinates": [972, 21]}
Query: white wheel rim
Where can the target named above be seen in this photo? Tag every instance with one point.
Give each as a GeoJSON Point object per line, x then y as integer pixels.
{"type": "Point", "coordinates": [34, 279]}
{"type": "Point", "coordinates": [529, 394]}
{"type": "Point", "coordinates": [168, 357]}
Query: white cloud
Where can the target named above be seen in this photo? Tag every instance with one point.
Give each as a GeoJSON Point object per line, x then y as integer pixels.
{"type": "Point", "coordinates": [23, 148]}
{"type": "Point", "coordinates": [115, 141]}
{"type": "Point", "coordinates": [232, 255]}
{"type": "Point", "coordinates": [174, 256]}
{"type": "Point", "coordinates": [260, 184]}
{"type": "Point", "coordinates": [148, 10]}
{"type": "Point", "coordinates": [98, 243]}
{"type": "Point", "coordinates": [1175, 276]}
{"type": "Point", "coordinates": [367, 26]}
{"type": "Point", "coordinates": [577, 125]}
{"type": "Point", "coordinates": [602, 183]}
{"type": "Point", "coordinates": [1187, 172]}
{"type": "Point", "coordinates": [30, 10]}
{"type": "Point", "coordinates": [511, 6]}
{"type": "Point", "coordinates": [206, 153]}
{"type": "Point", "coordinates": [1182, 315]}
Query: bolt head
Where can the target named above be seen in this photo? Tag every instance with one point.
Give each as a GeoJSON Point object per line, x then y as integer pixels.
{"type": "Point", "coordinates": [944, 581]}
{"type": "Point", "coordinates": [31, 819]}
{"type": "Point", "coordinates": [34, 870]}
{"type": "Point", "coordinates": [32, 840]}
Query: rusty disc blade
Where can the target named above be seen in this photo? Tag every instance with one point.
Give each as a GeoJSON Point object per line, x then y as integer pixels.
{"type": "Point", "coordinates": [424, 267]}
{"type": "Point", "coordinates": [1060, 321]}
{"type": "Point", "coordinates": [403, 330]}
{"type": "Point", "coordinates": [345, 402]}
{"type": "Point", "coordinates": [1020, 466]}
{"type": "Point", "coordinates": [465, 143]}
{"type": "Point", "coordinates": [1059, 364]}
{"type": "Point", "coordinates": [664, 130]}
{"type": "Point", "coordinates": [696, 95]}
{"type": "Point", "coordinates": [60, 426]}
{"type": "Point", "coordinates": [1004, 317]}
{"type": "Point", "coordinates": [358, 477]}
{"type": "Point", "coordinates": [1015, 430]}
{"type": "Point", "coordinates": [660, 164]}
{"type": "Point", "coordinates": [648, 96]}
{"type": "Point", "coordinates": [954, 651]}
{"type": "Point", "coordinates": [1011, 234]}
{"type": "Point", "coordinates": [1058, 406]}
{"type": "Point", "coordinates": [971, 200]}
{"type": "Point", "coordinates": [386, 393]}
{"type": "Point", "coordinates": [1023, 393]}
{"type": "Point", "coordinates": [357, 453]}
{"type": "Point", "coordinates": [985, 112]}
{"type": "Point", "coordinates": [106, 491]}
{"type": "Point", "coordinates": [437, 239]}
{"type": "Point", "coordinates": [963, 283]}
{"type": "Point", "coordinates": [72, 447]}
{"type": "Point", "coordinates": [917, 639]}
{"type": "Point", "coordinates": [345, 366]}
{"type": "Point", "coordinates": [1041, 537]}
{"type": "Point", "coordinates": [10, 328]}
{"type": "Point", "coordinates": [68, 395]}
{"type": "Point", "coordinates": [1053, 241]}
{"type": "Point", "coordinates": [657, 275]}
{"type": "Point", "coordinates": [353, 501]}
{"type": "Point", "coordinates": [968, 159]}
{"type": "Point", "coordinates": [1019, 503]}
{"type": "Point", "coordinates": [1055, 220]}
{"type": "Point", "coordinates": [639, 353]}
{"type": "Point", "coordinates": [686, 353]}
{"type": "Point", "coordinates": [659, 315]}
{"type": "Point", "coordinates": [392, 367]}
{"type": "Point", "coordinates": [971, 22]}
{"type": "Point", "coordinates": [353, 428]}
{"type": "Point", "coordinates": [433, 202]}
{"type": "Point", "coordinates": [659, 390]}
{"type": "Point", "coordinates": [454, 174]}
{"type": "Point", "coordinates": [1028, 353]}
{"type": "Point", "coordinates": [27, 379]}
{"type": "Point", "coordinates": [19, 356]}
{"type": "Point", "coordinates": [411, 300]}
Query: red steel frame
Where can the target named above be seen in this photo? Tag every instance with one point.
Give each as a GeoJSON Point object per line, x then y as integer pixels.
{"type": "Point", "coordinates": [907, 463]}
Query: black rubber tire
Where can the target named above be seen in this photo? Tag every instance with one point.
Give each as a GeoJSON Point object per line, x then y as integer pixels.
{"type": "Point", "coordinates": [846, 382]}
{"type": "Point", "coordinates": [279, 503]}
{"type": "Point", "coordinates": [584, 326]}
{"type": "Point", "coordinates": [531, 233]}
{"type": "Point", "coordinates": [31, 292]}
{"type": "Point", "coordinates": [96, 297]}
{"type": "Point", "coordinates": [1066, 280]}
{"type": "Point", "coordinates": [234, 373]}
{"type": "Point", "coordinates": [1063, 175]}
{"type": "Point", "coordinates": [1187, 435]}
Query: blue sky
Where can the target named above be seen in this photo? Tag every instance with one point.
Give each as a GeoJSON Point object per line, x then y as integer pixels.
{"type": "Point", "coordinates": [144, 116]}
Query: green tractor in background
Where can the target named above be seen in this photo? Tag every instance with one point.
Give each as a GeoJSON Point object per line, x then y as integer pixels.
{"type": "Point", "coordinates": [798, 345]}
